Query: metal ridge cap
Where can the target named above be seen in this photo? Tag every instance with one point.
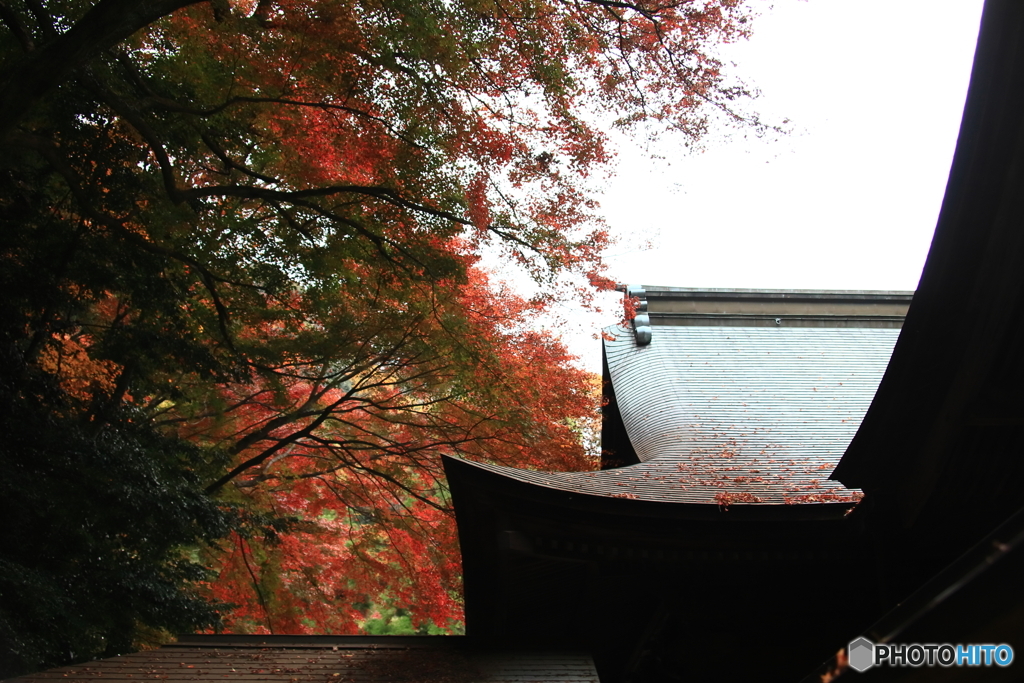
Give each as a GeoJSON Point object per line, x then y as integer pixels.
{"type": "Point", "coordinates": [654, 315]}
{"type": "Point", "coordinates": [655, 291]}
{"type": "Point", "coordinates": [664, 320]}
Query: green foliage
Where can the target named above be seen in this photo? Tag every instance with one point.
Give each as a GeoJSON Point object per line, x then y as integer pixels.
{"type": "Point", "coordinates": [99, 525]}
{"type": "Point", "coordinates": [395, 621]}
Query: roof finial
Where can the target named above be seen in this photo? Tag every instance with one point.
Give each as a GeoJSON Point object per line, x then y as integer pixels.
{"type": "Point", "coordinates": [641, 318]}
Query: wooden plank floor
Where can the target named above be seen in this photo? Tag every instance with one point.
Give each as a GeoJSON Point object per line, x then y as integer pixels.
{"type": "Point", "coordinates": [327, 664]}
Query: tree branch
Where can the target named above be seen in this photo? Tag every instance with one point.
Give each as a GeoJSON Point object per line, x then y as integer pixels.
{"type": "Point", "coordinates": [11, 20]}
{"type": "Point", "coordinates": [25, 81]}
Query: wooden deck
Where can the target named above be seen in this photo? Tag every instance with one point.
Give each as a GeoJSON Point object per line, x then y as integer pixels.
{"type": "Point", "coordinates": [321, 660]}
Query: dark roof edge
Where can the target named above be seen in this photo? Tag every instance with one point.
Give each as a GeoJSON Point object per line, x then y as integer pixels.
{"type": "Point", "coordinates": [232, 640]}
{"type": "Point", "coordinates": [982, 582]}
{"type": "Point", "coordinates": [971, 276]}
{"type": "Point", "coordinates": [479, 476]}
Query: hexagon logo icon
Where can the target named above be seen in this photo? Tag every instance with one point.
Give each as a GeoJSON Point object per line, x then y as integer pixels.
{"type": "Point", "coordinates": [861, 654]}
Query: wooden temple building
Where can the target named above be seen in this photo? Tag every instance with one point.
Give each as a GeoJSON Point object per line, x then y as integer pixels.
{"type": "Point", "coordinates": [680, 562]}
{"type": "Point", "coordinates": [782, 472]}
{"type": "Point", "coordinates": [713, 526]}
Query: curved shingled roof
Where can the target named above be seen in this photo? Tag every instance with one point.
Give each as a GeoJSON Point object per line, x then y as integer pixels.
{"type": "Point", "coordinates": [729, 415]}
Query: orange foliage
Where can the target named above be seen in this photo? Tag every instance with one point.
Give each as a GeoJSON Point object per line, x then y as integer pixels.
{"type": "Point", "coordinates": [352, 455]}
{"type": "Point", "coordinates": [81, 376]}
{"type": "Point", "coordinates": [270, 215]}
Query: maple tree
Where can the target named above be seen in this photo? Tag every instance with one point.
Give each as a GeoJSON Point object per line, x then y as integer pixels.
{"type": "Point", "coordinates": [241, 279]}
{"type": "Point", "coordinates": [353, 449]}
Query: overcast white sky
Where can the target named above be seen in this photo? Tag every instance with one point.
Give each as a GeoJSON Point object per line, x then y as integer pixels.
{"type": "Point", "coordinates": [874, 90]}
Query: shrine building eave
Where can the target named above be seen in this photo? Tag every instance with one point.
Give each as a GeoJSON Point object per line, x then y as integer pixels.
{"type": "Point", "coordinates": [544, 561]}
{"type": "Point", "coordinates": [610, 492]}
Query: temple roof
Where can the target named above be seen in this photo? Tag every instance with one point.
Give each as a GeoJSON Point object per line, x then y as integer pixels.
{"type": "Point", "coordinates": [665, 591]}
{"type": "Point", "coordinates": [740, 396]}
